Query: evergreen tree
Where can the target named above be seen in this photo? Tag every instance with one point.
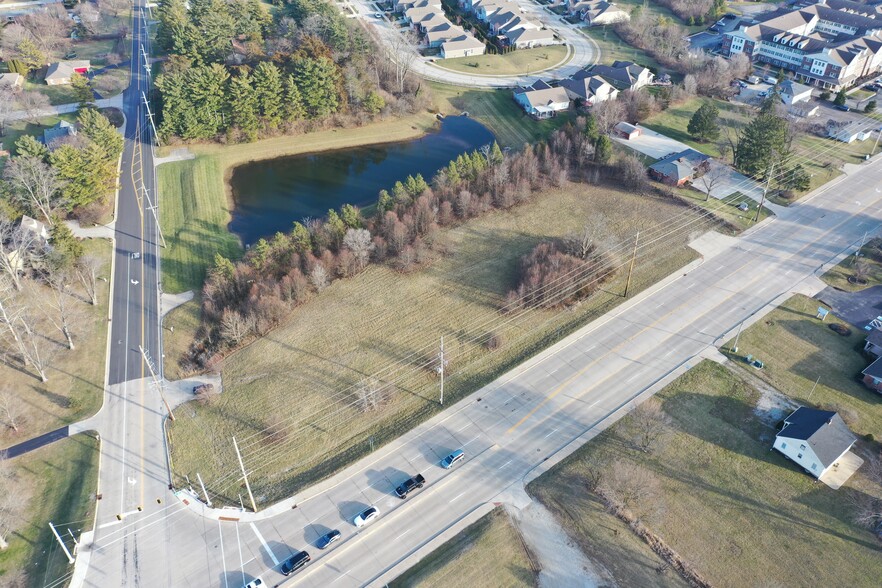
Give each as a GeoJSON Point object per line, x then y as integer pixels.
{"type": "Point", "coordinates": [704, 124]}
{"type": "Point", "coordinates": [590, 128]}
{"type": "Point", "coordinates": [300, 239]}
{"type": "Point", "coordinates": [317, 80]}
{"type": "Point", "coordinates": [453, 177]}
{"type": "Point", "coordinates": [82, 90]}
{"type": "Point", "coordinates": [479, 162]}
{"type": "Point", "coordinates": [223, 267]}
{"type": "Point", "coordinates": [762, 143]}
{"type": "Point", "coordinates": [243, 106]}
{"type": "Point", "coordinates": [27, 145]}
{"type": "Point", "coordinates": [98, 129]}
{"type": "Point", "coordinates": [385, 202]}
{"type": "Point", "coordinates": [797, 179]}
{"type": "Point", "coordinates": [870, 107]}
{"type": "Point", "coordinates": [840, 98]}
{"type": "Point", "coordinates": [336, 228]}
{"type": "Point", "coordinates": [399, 193]}
{"type": "Point", "coordinates": [603, 149]}
{"type": "Point", "coordinates": [351, 216]}
{"type": "Point", "coordinates": [293, 105]}
{"type": "Point", "coordinates": [496, 156]}
{"type": "Point", "coordinates": [29, 54]}
{"type": "Point", "coordinates": [66, 248]}
{"type": "Point", "coordinates": [268, 87]}
{"type": "Point", "coordinates": [374, 103]}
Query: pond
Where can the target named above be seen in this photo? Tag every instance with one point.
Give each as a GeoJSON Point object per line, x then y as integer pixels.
{"type": "Point", "coordinates": [270, 195]}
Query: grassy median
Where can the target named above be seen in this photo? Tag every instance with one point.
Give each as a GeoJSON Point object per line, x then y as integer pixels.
{"type": "Point", "coordinates": [522, 61]}
{"type": "Point", "coordinates": [288, 397]}
{"type": "Point", "coordinates": [714, 493]}
{"type": "Point", "coordinates": [489, 553]}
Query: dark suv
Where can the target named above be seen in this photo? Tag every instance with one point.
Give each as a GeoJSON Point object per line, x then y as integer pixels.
{"type": "Point", "coordinates": [294, 563]}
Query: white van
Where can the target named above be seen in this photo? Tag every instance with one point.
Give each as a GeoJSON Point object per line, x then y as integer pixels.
{"type": "Point", "coordinates": [753, 80]}
{"type": "Point", "coordinates": [771, 80]}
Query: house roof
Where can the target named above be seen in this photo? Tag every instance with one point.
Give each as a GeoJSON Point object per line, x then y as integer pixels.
{"type": "Point", "coordinates": [792, 88]}
{"type": "Point", "coordinates": [524, 35]}
{"type": "Point", "coordinates": [875, 337]}
{"type": "Point", "coordinates": [874, 370]}
{"type": "Point", "coordinates": [445, 32]}
{"type": "Point", "coordinates": [61, 130]}
{"type": "Point", "coordinates": [10, 80]}
{"type": "Point", "coordinates": [679, 166]}
{"type": "Point", "coordinates": [540, 99]}
{"type": "Point", "coordinates": [626, 128]}
{"type": "Point", "coordinates": [625, 73]}
{"type": "Point", "coordinates": [467, 41]}
{"type": "Point", "coordinates": [823, 430]}
{"type": "Point", "coordinates": [34, 226]}
{"type": "Point", "coordinates": [65, 69]}
{"type": "Point", "coordinates": [586, 87]}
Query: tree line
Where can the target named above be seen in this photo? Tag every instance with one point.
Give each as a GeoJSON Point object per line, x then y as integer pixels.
{"type": "Point", "coordinates": [239, 72]}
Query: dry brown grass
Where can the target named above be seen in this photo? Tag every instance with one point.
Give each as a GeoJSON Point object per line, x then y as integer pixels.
{"type": "Point", "coordinates": [307, 368]}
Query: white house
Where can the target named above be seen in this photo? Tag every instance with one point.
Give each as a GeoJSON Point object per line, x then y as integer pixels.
{"type": "Point", "coordinates": [597, 13]}
{"type": "Point", "coordinates": [60, 73]}
{"type": "Point", "coordinates": [590, 89]}
{"type": "Point", "coordinates": [625, 75]}
{"type": "Point", "coordinates": [11, 80]}
{"type": "Point", "coordinates": [814, 439]}
{"type": "Point", "coordinates": [529, 38]}
{"type": "Point", "coordinates": [792, 93]}
{"type": "Point", "coordinates": [465, 46]}
{"type": "Point", "coordinates": [542, 101]}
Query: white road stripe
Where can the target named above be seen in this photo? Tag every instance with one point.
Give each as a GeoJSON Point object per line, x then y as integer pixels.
{"type": "Point", "coordinates": [455, 497]}
{"type": "Point", "coordinates": [553, 431]}
{"type": "Point", "coordinates": [505, 464]}
{"type": "Point", "coordinates": [403, 534]}
{"type": "Point", "coordinates": [110, 524]}
{"type": "Point", "coordinates": [223, 557]}
{"type": "Point", "coordinates": [264, 543]}
{"type": "Point", "coordinates": [241, 561]}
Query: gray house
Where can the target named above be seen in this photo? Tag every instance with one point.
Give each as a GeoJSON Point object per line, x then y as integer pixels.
{"type": "Point", "coordinates": [814, 439]}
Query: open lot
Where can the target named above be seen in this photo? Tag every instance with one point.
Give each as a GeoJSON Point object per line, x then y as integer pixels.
{"type": "Point", "coordinates": [311, 363]}
{"type": "Point", "coordinates": [55, 483]}
{"type": "Point", "coordinates": [613, 48]}
{"type": "Point", "coordinates": [714, 493]}
{"type": "Point", "coordinates": [487, 554]}
{"type": "Point", "coordinates": [522, 61]}
{"type": "Point", "coordinates": [798, 349]}
{"type": "Point", "coordinates": [870, 261]}
{"type": "Point", "coordinates": [75, 388]}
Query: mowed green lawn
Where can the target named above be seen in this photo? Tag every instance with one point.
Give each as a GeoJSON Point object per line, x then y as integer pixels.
{"type": "Point", "coordinates": [289, 398]}
{"type": "Point", "coordinates": [486, 554]}
{"type": "Point", "coordinates": [799, 349]}
{"type": "Point", "coordinates": [871, 256]}
{"type": "Point", "coordinates": [55, 483]}
{"type": "Point", "coordinates": [738, 513]}
{"type": "Point", "coordinates": [522, 61]}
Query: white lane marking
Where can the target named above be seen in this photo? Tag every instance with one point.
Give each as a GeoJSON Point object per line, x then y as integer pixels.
{"type": "Point", "coordinates": [223, 557]}
{"type": "Point", "coordinates": [265, 545]}
{"type": "Point", "coordinates": [474, 439]}
{"type": "Point", "coordinates": [110, 524]}
{"type": "Point", "coordinates": [463, 427]}
{"type": "Point", "coordinates": [455, 497]}
{"type": "Point", "coordinates": [505, 464]}
{"type": "Point", "coordinates": [403, 534]}
{"type": "Point", "coordinates": [241, 562]}
{"type": "Point", "coordinates": [553, 431]}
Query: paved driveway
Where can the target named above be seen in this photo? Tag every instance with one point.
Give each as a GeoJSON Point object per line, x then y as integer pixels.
{"type": "Point", "coordinates": [656, 145]}
{"type": "Point", "coordinates": [840, 472]}
{"type": "Point", "coordinates": [857, 308]}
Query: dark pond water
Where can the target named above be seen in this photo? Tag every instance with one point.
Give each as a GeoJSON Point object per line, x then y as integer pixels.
{"type": "Point", "coordinates": [270, 195]}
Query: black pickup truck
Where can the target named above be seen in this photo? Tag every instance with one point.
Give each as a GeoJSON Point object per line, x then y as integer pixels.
{"type": "Point", "coordinates": [418, 481]}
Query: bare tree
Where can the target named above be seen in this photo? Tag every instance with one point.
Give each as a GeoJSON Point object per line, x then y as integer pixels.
{"type": "Point", "coordinates": [10, 503]}
{"type": "Point", "coordinates": [113, 7]}
{"type": "Point", "coordinates": [712, 179]}
{"type": "Point", "coordinates": [860, 270]}
{"type": "Point", "coordinates": [628, 485]}
{"type": "Point", "coordinates": [50, 28]}
{"type": "Point", "coordinates": [65, 315]}
{"type": "Point", "coordinates": [87, 269]}
{"type": "Point", "coordinates": [36, 185]}
{"type": "Point", "coordinates": [402, 55]}
{"type": "Point", "coordinates": [690, 85]}
{"type": "Point", "coordinates": [586, 241]}
{"type": "Point", "coordinates": [37, 348]}
{"type": "Point", "coordinates": [359, 241]}
{"type": "Point", "coordinates": [16, 246]}
{"type": "Point", "coordinates": [649, 423]}
{"type": "Point", "coordinates": [631, 172]}
{"type": "Point", "coordinates": [607, 114]}
{"type": "Point", "coordinates": [9, 313]}
{"type": "Point", "coordinates": [10, 405]}
{"type": "Point", "coordinates": [34, 103]}
{"type": "Point", "coordinates": [235, 327]}
{"type": "Point", "coordinates": [319, 277]}
{"type": "Point", "coordinates": [8, 104]}
{"type": "Point", "coordinates": [868, 508]}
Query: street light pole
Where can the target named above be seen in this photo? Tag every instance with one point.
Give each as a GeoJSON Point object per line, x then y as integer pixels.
{"type": "Point", "coordinates": [738, 334]}
{"type": "Point", "coordinates": [765, 189]}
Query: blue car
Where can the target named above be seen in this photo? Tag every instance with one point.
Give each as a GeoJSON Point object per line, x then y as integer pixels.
{"type": "Point", "coordinates": [327, 539]}
{"type": "Point", "coordinates": [449, 461]}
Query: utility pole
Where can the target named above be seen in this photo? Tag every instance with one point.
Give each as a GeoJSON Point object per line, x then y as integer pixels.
{"type": "Point", "coordinates": [152, 209]}
{"type": "Point", "coordinates": [813, 388]}
{"type": "Point", "coordinates": [765, 189]}
{"type": "Point", "coordinates": [146, 61]}
{"type": "Point", "coordinates": [70, 558]}
{"type": "Point", "coordinates": [150, 117]}
{"type": "Point", "coordinates": [156, 380]}
{"type": "Point", "coordinates": [204, 493]}
{"type": "Point", "coordinates": [244, 475]}
{"type": "Point", "coordinates": [735, 346]}
{"type": "Point", "coordinates": [441, 364]}
{"type": "Point", "coordinates": [631, 266]}
{"type": "Point", "coordinates": [858, 252]}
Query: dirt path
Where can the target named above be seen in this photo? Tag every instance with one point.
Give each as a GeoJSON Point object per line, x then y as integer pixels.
{"type": "Point", "coordinates": [561, 561]}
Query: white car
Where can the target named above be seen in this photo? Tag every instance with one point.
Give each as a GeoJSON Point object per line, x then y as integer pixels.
{"type": "Point", "coordinates": [255, 583]}
{"type": "Point", "coordinates": [366, 516]}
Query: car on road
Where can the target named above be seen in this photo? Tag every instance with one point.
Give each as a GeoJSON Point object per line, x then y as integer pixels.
{"type": "Point", "coordinates": [366, 516]}
{"type": "Point", "coordinates": [327, 539]}
{"type": "Point", "coordinates": [763, 94]}
{"type": "Point", "coordinates": [842, 107]}
{"type": "Point", "coordinates": [452, 459]}
{"type": "Point", "coordinates": [294, 563]}
{"type": "Point", "coordinates": [403, 489]}
{"type": "Point", "coordinates": [743, 207]}
{"type": "Point", "coordinates": [255, 583]}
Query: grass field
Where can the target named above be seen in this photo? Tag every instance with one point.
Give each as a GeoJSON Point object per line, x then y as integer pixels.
{"type": "Point", "coordinates": [383, 318]}
{"type": "Point", "coordinates": [487, 554]}
{"type": "Point", "coordinates": [57, 484]}
{"type": "Point", "coordinates": [871, 255]}
{"type": "Point", "coordinates": [798, 349]}
{"type": "Point", "coordinates": [740, 514]}
{"type": "Point", "coordinates": [673, 122]}
{"type": "Point", "coordinates": [111, 82]}
{"type": "Point", "coordinates": [726, 208]}
{"type": "Point", "coordinates": [522, 61]}
{"type": "Point", "coordinates": [76, 378]}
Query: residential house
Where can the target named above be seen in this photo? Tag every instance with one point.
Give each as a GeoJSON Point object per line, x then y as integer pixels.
{"type": "Point", "coordinates": [446, 31]}
{"type": "Point", "coordinates": [486, 9]}
{"type": "Point", "coordinates": [873, 343]}
{"type": "Point", "coordinates": [58, 132]}
{"type": "Point", "coordinates": [529, 38]}
{"type": "Point", "coordinates": [814, 439]}
{"type": "Point", "coordinates": [826, 43]}
{"type": "Point", "coordinates": [792, 92]}
{"type": "Point", "coordinates": [11, 80]}
{"type": "Point", "coordinates": [625, 75]}
{"type": "Point", "coordinates": [872, 376]}
{"type": "Point", "coordinates": [403, 6]}
{"type": "Point", "coordinates": [465, 46]}
{"type": "Point", "coordinates": [36, 228]}
{"type": "Point", "coordinates": [847, 132]}
{"type": "Point", "coordinates": [504, 22]}
{"type": "Point", "coordinates": [542, 100]}
{"type": "Point", "coordinates": [678, 168]}
{"type": "Point", "coordinates": [61, 72]}
{"type": "Point", "coordinates": [597, 13]}
{"type": "Point", "coordinates": [590, 89]}
{"type": "Point", "coordinates": [419, 14]}
{"type": "Point", "coordinates": [627, 130]}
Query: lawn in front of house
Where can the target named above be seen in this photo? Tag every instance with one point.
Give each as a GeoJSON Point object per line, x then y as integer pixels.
{"type": "Point", "coordinates": [727, 208]}
{"type": "Point", "coordinates": [489, 553]}
{"type": "Point", "coordinates": [870, 256]}
{"type": "Point", "coordinates": [75, 389]}
{"type": "Point", "coordinates": [111, 82]}
{"type": "Point", "coordinates": [62, 94]}
{"type": "Point", "coordinates": [799, 349]}
{"type": "Point", "coordinates": [522, 61]}
{"type": "Point", "coordinates": [55, 483]}
{"type": "Point", "coordinates": [381, 318]}
{"type": "Point", "coordinates": [16, 129]}
{"type": "Point", "coordinates": [738, 513]}
{"type": "Point", "coordinates": [674, 121]}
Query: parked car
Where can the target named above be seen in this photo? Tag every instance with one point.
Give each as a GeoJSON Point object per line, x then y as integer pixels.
{"type": "Point", "coordinates": [771, 80]}
{"type": "Point", "coordinates": [255, 583]}
{"type": "Point", "coordinates": [763, 94]}
{"type": "Point", "coordinates": [294, 563]}
{"type": "Point", "coordinates": [742, 84]}
{"type": "Point", "coordinates": [841, 107]}
{"type": "Point", "coordinates": [743, 207]}
{"type": "Point", "coordinates": [327, 539]}
{"type": "Point", "coordinates": [452, 459]}
{"type": "Point", "coordinates": [366, 516]}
